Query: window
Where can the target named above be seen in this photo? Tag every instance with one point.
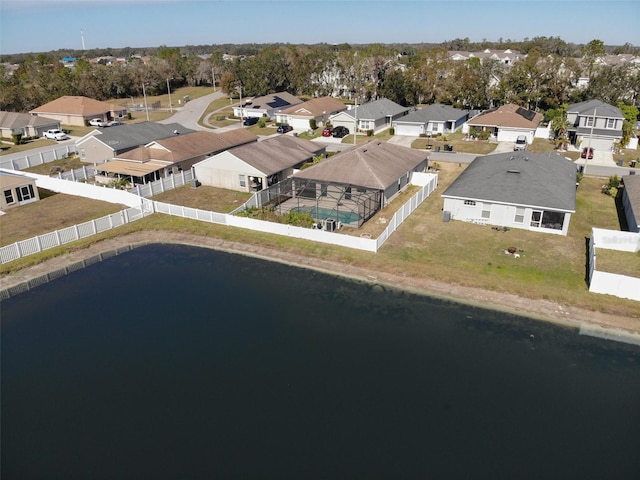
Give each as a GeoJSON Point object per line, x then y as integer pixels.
{"type": "Point", "coordinates": [25, 193]}
{"type": "Point", "coordinates": [486, 211]}
{"type": "Point", "coordinates": [519, 218]}
{"type": "Point", "coordinates": [8, 196]}
{"type": "Point", "coordinates": [536, 217]}
{"type": "Point", "coordinates": [589, 121]}
{"type": "Point", "coordinates": [470, 203]}
{"type": "Point", "coordinates": [324, 187]}
{"type": "Point", "coordinates": [611, 122]}
{"type": "Point", "coordinates": [243, 181]}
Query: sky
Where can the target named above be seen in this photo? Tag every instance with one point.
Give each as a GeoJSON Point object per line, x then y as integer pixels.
{"type": "Point", "coordinates": [46, 25]}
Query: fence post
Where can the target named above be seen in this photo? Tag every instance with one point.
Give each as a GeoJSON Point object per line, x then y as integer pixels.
{"type": "Point", "coordinates": [55, 154]}
{"type": "Point", "coordinates": [58, 237]}
{"type": "Point", "coordinates": [75, 229]}
{"type": "Point", "coordinates": [73, 175]}
{"type": "Point", "coordinates": [95, 229]}
{"type": "Point", "coordinates": [39, 243]}
{"type": "Point", "coordinates": [19, 250]}
{"type": "Point", "coordinates": [41, 159]}
{"type": "Point", "coordinates": [84, 171]}
{"type": "Point", "coordinates": [173, 181]}
{"type": "Point", "coordinates": [126, 215]}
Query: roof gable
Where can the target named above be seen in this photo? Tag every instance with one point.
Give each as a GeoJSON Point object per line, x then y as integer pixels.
{"type": "Point", "coordinates": [316, 107]}
{"type": "Point", "coordinates": [380, 108]}
{"type": "Point", "coordinates": [277, 153]}
{"type": "Point", "coordinates": [126, 137]}
{"type": "Point", "coordinates": [509, 115]}
{"type": "Point", "coordinates": [77, 105]}
{"type": "Point", "coordinates": [375, 165]}
{"type": "Point", "coordinates": [595, 107]}
{"type": "Point", "coordinates": [434, 113]}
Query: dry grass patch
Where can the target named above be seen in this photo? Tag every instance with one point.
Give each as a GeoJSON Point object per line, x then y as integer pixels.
{"type": "Point", "coordinates": [621, 263]}
{"type": "Point", "coordinates": [53, 212]}
{"type": "Point", "coordinates": [205, 198]}
{"type": "Point", "coordinates": [62, 165]}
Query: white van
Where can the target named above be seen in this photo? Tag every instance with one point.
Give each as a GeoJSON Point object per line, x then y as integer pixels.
{"type": "Point", "coordinates": [520, 143]}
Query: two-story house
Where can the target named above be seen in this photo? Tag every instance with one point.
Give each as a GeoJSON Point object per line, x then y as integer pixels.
{"type": "Point", "coordinates": [594, 124]}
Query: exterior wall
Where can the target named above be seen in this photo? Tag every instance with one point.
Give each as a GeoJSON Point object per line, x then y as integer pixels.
{"type": "Point", "coordinates": [13, 194]}
{"type": "Point", "coordinates": [300, 123]}
{"type": "Point", "coordinates": [511, 134]}
{"type": "Point", "coordinates": [499, 214]}
{"type": "Point", "coordinates": [597, 143]}
{"type": "Point", "coordinates": [224, 170]}
{"type": "Point", "coordinates": [94, 151]}
{"type": "Point", "coordinates": [65, 119]}
{"type": "Point", "coordinates": [408, 129]}
{"type": "Point", "coordinates": [628, 213]}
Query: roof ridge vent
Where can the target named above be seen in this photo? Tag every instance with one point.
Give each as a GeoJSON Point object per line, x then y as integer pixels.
{"type": "Point", "coordinates": [513, 171]}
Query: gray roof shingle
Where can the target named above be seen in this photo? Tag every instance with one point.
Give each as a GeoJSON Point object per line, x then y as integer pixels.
{"type": "Point", "coordinates": [375, 165]}
{"type": "Point", "coordinates": [519, 178]}
{"type": "Point", "coordinates": [434, 113]}
{"type": "Point", "coordinates": [126, 137]}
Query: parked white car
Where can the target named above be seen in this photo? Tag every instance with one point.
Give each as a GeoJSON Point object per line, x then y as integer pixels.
{"type": "Point", "coordinates": [97, 122]}
{"type": "Point", "coordinates": [55, 134]}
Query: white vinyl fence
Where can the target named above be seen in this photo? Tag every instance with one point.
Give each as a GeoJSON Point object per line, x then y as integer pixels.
{"type": "Point", "coordinates": [622, 286]}
{"type": "Point", "coordinates": [33, 159]}
{"type": "Point", "coordinates": [140, 207]}
{"type": "Point", "coordinates": [162, 185]}
{"type": "Point", "coordinates": [71, 234]}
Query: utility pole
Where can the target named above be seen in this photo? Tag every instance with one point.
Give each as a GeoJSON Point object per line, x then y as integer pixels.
{"type": "Point", "coordinates": [586, 157]}
{"type": "Point", "coordinates": [146, 108]}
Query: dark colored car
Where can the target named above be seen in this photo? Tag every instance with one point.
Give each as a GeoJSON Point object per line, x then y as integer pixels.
{"type": "Point", "coordinates": [250, 121]}
{"type": "Point", "coordinates": [284, 128]}
{"type": "Point", "coordinates": [327, 132]}
{"type": "Point", "coordinates": [584, 153]}
{"type": "Point", "coordinates": [340, 132]}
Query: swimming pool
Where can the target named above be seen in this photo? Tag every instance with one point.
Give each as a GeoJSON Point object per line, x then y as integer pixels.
{"type": "Point", "coordinates": [320, 213]}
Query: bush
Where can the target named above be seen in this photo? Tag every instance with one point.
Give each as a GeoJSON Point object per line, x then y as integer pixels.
{"type": "Point", "coordinates": [17, 138]}
{"type": "Point", "coordinates": [312, 124]}
{"type": "Point", "coordinates": [369, 133]}
{"type": "Point", "coordinates": [262, 123]}
{"type": "Point", "coordinates": [611, 188]}
{"type": "Point", "coordinates": [392, 131]}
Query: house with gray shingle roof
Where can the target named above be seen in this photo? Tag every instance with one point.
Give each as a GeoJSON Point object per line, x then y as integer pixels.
{"type": "Point", "coordinates": [516, 190]}
{"type": "Point", "coordinates": [25, 124]}
{"type": "Point", "coordinates": [253, 167]}
{"type": "Point", "coordinates": [377, 115]}
{"type": "Point", "coordinates": [631, 201]}
{"type": "Point", "coordinates": [595, 124]}
{"type": "Point", "coordinates": [103, 144]}
{"type": "Point", "coordinates": [431, 120]}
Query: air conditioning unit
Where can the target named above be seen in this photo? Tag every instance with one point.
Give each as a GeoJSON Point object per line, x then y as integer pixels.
{"type": "Point", "coordinates": [330, 225]}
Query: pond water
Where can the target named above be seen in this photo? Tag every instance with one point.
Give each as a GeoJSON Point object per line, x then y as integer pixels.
{"type": "Point", "coordinates": [180, 362]}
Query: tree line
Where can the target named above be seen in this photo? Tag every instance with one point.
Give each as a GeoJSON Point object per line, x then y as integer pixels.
{"type": "Point", "coordinates": [410, 75]}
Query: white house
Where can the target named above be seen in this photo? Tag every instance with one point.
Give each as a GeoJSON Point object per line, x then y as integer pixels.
{"type": "Point", "coordinates": [431, 120]}
{"type": "Point", "coordinates": [377, 115]}
{"type": "Point", "coordinates": [517, 190]}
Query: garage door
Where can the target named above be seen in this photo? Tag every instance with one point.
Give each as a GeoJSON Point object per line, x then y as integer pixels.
{"type": "Point", "coordinates": [409, 130]}
{"type": "Point", "coordinates": [600, 144]}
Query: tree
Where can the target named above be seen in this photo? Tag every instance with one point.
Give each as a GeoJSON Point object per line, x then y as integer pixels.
{"type": "Point", "coordinates": [590, 53]}
{"type": "Point", "coordinates": [559, 125]}
{"type": "Point", "coordinates": [630, 113]}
